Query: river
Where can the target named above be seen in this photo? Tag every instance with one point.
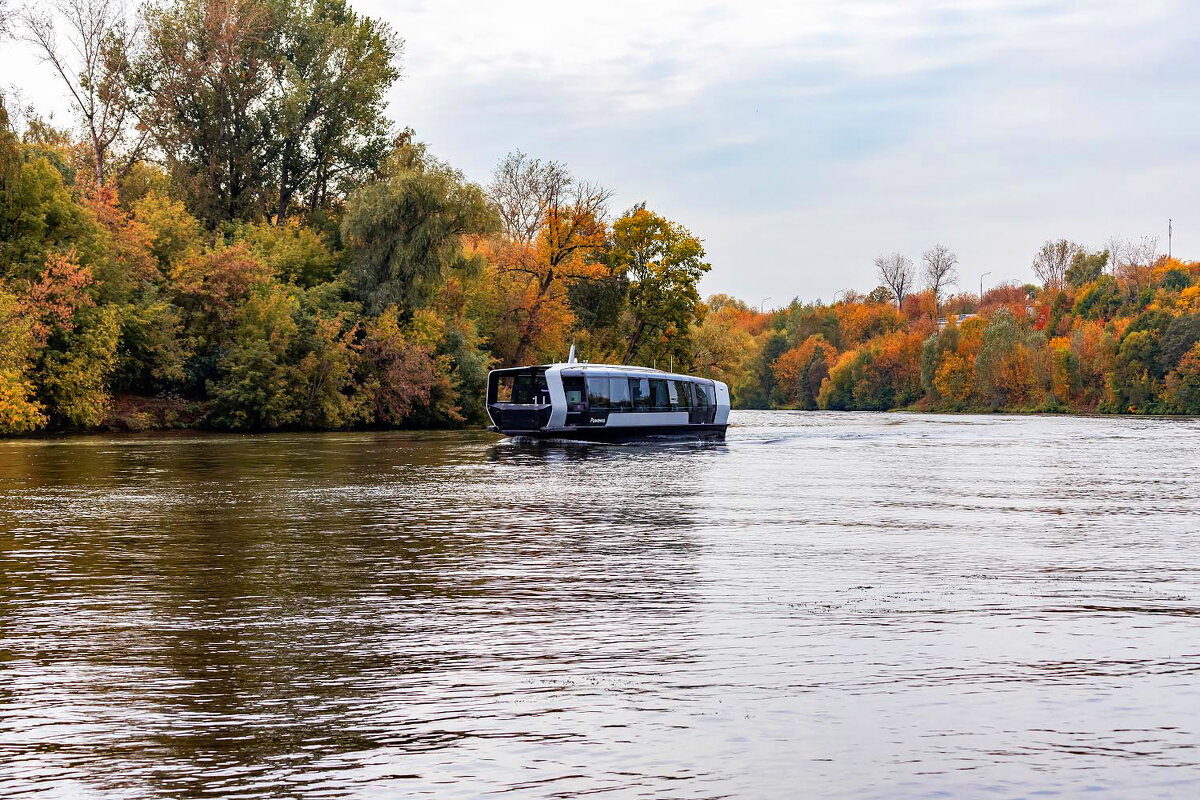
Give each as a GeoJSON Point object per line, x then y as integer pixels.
{"type": "Point", "coordinates": [826, 605]}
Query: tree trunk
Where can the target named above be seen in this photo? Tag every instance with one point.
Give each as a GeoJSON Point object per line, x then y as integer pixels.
{"type": "Point", "coordinates": [634, 341]}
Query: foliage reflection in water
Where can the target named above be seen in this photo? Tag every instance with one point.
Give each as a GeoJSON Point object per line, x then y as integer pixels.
{"type": "Point", "coordinates": [849, 605]}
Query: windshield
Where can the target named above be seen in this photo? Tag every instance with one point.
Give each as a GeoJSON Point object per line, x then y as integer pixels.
{"type": "Point", "coordinates": [524, 387]}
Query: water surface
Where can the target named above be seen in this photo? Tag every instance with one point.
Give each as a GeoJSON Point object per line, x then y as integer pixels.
{"type": "Point", "coordinates": [834, 605]}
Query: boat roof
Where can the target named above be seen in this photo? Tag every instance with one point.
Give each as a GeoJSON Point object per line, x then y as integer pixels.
{"type": "Point", "coordinates": [606, 367]}
{"type": "Point", "coordinates": [585, 367]}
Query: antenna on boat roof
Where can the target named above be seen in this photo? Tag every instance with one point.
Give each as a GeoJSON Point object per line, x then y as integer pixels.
{"type": "Point", "coordinates": [571, 357]}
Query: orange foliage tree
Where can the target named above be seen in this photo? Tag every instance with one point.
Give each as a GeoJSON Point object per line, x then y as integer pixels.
{"type": "Point", "coordinates": [801, 370]}
{"type": "Point", "coordinates": [554, 227]}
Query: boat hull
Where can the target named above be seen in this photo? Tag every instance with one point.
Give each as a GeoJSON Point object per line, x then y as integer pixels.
{"type": "Point", "coordinates": [603, 433]}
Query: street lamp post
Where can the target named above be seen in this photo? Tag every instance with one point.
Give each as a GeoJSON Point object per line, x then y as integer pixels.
{"type": "Point", "coordinates": [981, 277]}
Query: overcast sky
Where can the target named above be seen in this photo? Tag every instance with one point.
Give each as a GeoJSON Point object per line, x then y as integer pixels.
{"type": "Point", "coordinates": [802, 139]}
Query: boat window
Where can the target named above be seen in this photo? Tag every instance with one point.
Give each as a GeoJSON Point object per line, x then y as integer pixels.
{"type": "Point", "coordinates": [523, 388]}
{"type": "Point", "coordinates": [660, 395]}
{"type": "Point", "coordinates": [618, 393]}
{"type": "Point", "coordinates": [598, 396]}
{"type": "Point", "coordinates": [576, 392]}
{"type": "Point", "coordinates": [504, 388]}
{"type": "Point", "coordinates": [639, 391]}
{"type": "Point", "coordinates": [703, 399]}
{"type": "Point", "coordinates": [682, 394]}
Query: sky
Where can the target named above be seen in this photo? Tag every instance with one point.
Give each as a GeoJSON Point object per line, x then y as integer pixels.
{"type": "Point", "coordinates": [800, 140]}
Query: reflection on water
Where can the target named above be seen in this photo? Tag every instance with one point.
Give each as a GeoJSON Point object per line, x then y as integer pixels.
{"type": "Point", "coordinates": [836, 605]}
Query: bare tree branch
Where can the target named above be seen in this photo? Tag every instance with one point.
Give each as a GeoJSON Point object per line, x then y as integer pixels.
{"type": "Point", "coordinates": [1133, 259]}
{"type": "Point", "coordinates": [90, 59]}
{"type": "Point", "coordinates": [941, 270]}
{"type": "Point", "coordinates": [1051, 262]}
{"type": "Point", "coordinates": [896, 272]}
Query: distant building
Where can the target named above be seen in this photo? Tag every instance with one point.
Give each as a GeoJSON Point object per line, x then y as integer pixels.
{"type": "Point", "coordinates": [958, 320]}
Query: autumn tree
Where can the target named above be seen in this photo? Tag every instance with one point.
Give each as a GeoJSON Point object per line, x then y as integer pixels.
{"type": "Point", "coordinates": [554, 226]}
{"type": "Point", "coordinates": [20, 410]}
{"type": "Point", "coordinates": [664, 262]}
{"type": "Point", "coordinates": [1136, 258]}
{"type": "Point", "coordinates": [1052, 260]}
{"type": "Point", "coordinates": [723, 348]}
{"type": "Point", "coordinates": [203, 84]}
{"type": "Point", "coordinates": [400, 374]}
{"type": "Point", "coordinates": [941, 269]}
{"type": "Point", "coordinates": [1005, 376]}
{"type": "Point", "coordinates": [801, 370]}
{"type": "Point", "coordinates": [896, 272]}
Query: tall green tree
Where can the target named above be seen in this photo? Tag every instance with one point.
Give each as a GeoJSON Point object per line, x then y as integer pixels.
{"type": "Point", "coordinates": [37, 213]}
{"type": "Point", "coordinates": [664, 263]}
{"type": "Point", "coordinates": [331, 72]}
{"type": "Point", "coordinates": [405, 232]}
{"type": "Point", "coordinates": [253, 103]}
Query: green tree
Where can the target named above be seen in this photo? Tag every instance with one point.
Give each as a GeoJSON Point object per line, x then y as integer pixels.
{"type": "Point", "coordinates": [257, 387]}
{"type": "Point", "coordinates": [760, 387]}
{"type": "Point", "coordinates": [151, 353]}
{"type": "Point", "coordinates": [331, 70]}
{"type": "Point", "coordinates": [294, 253]}
{"type": "Point", "coordinates": [1179, 336]}
{"type": "Point", "coordinates": [1182, 391]}
{"type": "Point", "coordinates": [76, 370]}
{"type": "Point", "coordinates": [837, 391]}
{"type": "Point", "coordinates": [1100, 300]}
{"type": "Point", "coordinates": [405, 231]}
{"type": "Point", "coordinates": [881, 294]}
{"type": "Point", "coordinates": [256, 103]}
{"type": "Point", "coordinates": [664, 263]}
{"type": "Point", "coordinates": [1176, 279]}
{"type": "Point", "coordinates": [37, 213]}
{"type": "Point", "coordinates": [1086, 267]}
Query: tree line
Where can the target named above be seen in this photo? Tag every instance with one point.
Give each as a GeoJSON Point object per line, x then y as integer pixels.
{"type": "Point", "coordinates": [232, 233]}
{"type": "Point", "coordinates": [1109, 330]}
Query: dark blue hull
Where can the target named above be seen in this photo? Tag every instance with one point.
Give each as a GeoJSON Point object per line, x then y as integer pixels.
{"type": "Point", "coordinates": [603, 433]}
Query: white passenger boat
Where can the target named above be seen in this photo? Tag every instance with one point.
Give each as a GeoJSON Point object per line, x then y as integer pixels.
{"type": "Point", "coordinates": [604, 402]}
